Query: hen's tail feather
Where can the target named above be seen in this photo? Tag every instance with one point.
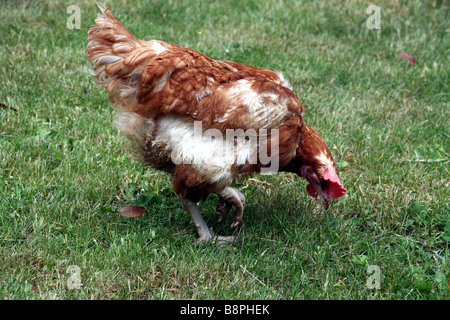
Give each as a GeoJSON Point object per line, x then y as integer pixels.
{"type": "Point", "coordinates": [101, 6]}
{"type": "Point", "coordinates": [117, 58]}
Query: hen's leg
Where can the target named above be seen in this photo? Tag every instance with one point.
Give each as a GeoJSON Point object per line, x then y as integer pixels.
{"type": "Point", "coordinates": [204, 234]}
{"type": "Point", "coordinates": [229, 197]}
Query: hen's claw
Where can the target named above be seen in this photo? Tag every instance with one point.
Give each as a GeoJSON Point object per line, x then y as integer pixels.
{"type": "Point", "coordinates": [228, 198]}
{"type": "Point", "coordinates": [235, 223]}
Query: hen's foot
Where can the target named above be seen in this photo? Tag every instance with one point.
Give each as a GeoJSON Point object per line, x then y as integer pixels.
{"type": "Point", "coordinates": [204, 234]}
{"type": "Point", "coordinates": [213, 238]}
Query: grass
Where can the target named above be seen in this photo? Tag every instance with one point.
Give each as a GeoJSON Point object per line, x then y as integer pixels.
{"type": "Point", "coordinates": [65, 170]}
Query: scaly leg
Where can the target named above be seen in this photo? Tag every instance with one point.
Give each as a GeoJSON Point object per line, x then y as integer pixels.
{"type": "Point", "coordinates": [204, 233]}
{"type": "Point", "coordinates": [228, 198]}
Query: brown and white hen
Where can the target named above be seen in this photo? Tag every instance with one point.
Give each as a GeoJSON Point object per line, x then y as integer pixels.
{"type": "Point", "coordinates": [206, 121]}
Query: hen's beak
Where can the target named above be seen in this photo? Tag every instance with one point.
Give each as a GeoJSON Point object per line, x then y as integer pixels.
{"type": "Point", "coordinates": [319, 196]}
{"type": "Point", "coordinates": [323, 198]}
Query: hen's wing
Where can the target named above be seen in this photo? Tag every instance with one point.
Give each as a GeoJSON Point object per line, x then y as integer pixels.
{"type": "Point", "coordinates": [221, 94]}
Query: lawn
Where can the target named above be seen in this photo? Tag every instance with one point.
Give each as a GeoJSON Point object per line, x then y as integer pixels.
{"type": "Point", "coordinates": [65, 170]}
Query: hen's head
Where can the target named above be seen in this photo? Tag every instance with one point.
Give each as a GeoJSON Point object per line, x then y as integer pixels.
{"type": "Point", "coordinates": [315, 164]}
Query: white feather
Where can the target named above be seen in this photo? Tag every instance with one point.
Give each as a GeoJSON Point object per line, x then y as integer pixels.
{"type": "Point", "coordinates": [107, 60]}
{"type": "Point", "coordinates": [157, 46]}
{"type": "Point", "coordinates": [210, 157]}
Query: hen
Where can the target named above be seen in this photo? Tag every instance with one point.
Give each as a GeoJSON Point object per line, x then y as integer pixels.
{"type": "Point", "coordinates": [206, 121]}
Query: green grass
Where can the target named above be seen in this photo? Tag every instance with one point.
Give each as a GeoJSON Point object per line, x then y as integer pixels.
{"type": "Point", "coordinates": [65, 171]}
